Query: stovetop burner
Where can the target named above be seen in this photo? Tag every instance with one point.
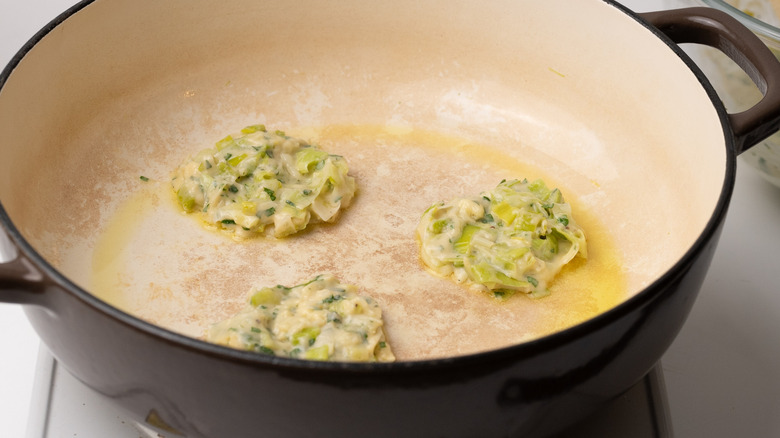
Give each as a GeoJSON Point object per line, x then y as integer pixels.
{"type": "Point", "coordinates": [63, 406]}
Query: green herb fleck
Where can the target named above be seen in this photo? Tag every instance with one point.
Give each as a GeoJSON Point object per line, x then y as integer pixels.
{"type": "Point", "coordinates": [270, 193]}
{"type": "Point", "coordinates": [143, 178]}
{"type": "Point", "coordinates": [500, 293]}
{"type": "Point", "coordinates": [332, 299]}
{"type": "Point", "coordinates": [266, 350]}
{"type": "Point", "coordinates": [315, 279]}
{"type": "Point", "coordinates": [228, 221]}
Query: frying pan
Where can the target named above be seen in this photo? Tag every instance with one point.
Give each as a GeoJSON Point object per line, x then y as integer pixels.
{"type": "Point", "coordinates": [426, 102]}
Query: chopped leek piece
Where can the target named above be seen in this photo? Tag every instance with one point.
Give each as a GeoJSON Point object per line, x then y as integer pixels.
{"type": "Point", "coordinates": [253, 128]}
{"type": "Point", "coordinates": [234, 161]}
{"type": "Point", "coordinates": [505, 212]}
{"type": "Point", "coordinates": [266, 296]}
{"type": "Point", "coordinates": [545, 247]}
{"type": "Point", "coordinates": [307, 159]}
{"type": "Point", "coordinates": [439, 225]}
{"type": "Point", "coordinates": [186, 200]}
{"type": "Point", "coordinates": [319, 353]}
{"type": "Point", "coordinates": [225, 142]}
{"type": "Point", "coordinates": [462, 244]}
{"type": "Point", "coordinates": [309, 333]}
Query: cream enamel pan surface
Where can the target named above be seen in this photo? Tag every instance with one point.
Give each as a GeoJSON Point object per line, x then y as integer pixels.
{"type": "Point", "coordinates": [423, 109]}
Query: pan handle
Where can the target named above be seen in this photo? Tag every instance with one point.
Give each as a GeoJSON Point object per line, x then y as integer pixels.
{"type": "Point", "coordinates": [20, 281]}
{"type": "Point", "coordinates": [717, 29]}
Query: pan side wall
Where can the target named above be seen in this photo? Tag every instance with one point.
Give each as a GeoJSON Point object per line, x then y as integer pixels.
{"type": "Point", "coordinates": [120, 88]}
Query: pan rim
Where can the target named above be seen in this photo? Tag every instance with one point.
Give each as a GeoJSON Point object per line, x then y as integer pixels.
{"type": "Point", "coordinates": [526, 349]}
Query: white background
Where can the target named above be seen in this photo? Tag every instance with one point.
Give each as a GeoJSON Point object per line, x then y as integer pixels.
{"type": "Point", "coordinates": [19, 21]}
{"type": "Point", "coordinates": [721, 373]}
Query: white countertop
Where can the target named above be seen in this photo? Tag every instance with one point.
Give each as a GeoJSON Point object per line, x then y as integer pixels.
{"type": "Point", "coordinates": [721, 373]}
{"type": "Point", "coordinates": [19, 21]}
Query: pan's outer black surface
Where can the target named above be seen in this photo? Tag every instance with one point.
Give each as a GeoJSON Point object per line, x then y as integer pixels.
{"type": "Point", "coordinates": [178, 385]}
{"type": "Point", "coordinates": [184, 386]}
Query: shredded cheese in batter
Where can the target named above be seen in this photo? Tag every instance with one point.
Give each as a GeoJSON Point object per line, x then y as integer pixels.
{"type": "Point", "coordinates": [515, 238]}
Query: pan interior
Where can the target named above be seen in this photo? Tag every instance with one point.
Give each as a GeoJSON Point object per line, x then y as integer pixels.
{"type": "Point", "coordinates": [426, 101]}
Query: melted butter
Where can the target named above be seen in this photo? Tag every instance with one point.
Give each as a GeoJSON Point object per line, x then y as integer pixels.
{"type": "Point", "coordinates": [583, 288]}
{"type": "Point", "coordinates": [108, 280]}
{"type": "Point", "coordinates": [155, 262]}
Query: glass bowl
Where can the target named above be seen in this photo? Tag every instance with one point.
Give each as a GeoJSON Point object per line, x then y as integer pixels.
{"type": "Point", "coordinates": [733, 86]}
